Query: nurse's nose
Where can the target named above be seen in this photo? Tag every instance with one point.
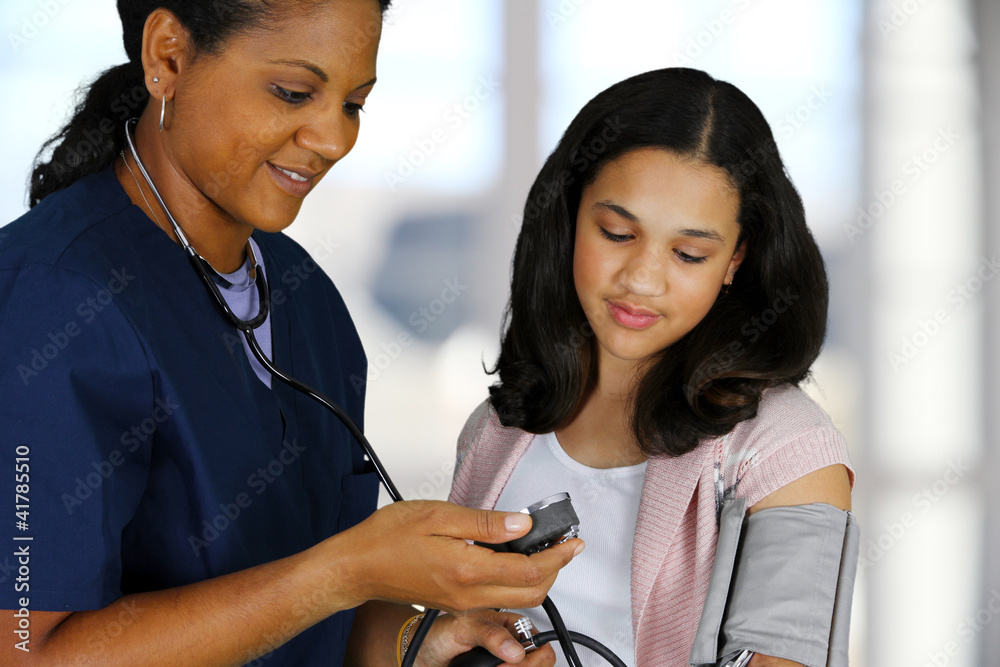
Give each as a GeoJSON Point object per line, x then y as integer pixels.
{"type": "Point", "coordinates": [330, 136]}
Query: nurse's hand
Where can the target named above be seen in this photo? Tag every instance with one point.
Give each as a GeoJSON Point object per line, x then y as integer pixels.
{"type": "Point", "coordinates": [417, 552]}
{"type": "Point", "coordinates": [375, 637]}
{"type": "Point", "coordinates": [454, 634]}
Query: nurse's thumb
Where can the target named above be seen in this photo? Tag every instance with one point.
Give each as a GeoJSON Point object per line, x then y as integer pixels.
{"type": "Point", "coordinates": [498, 527]}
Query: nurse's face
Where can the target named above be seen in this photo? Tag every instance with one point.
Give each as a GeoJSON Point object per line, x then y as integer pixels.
{"type": "Point", "coordinates": [251, 130]}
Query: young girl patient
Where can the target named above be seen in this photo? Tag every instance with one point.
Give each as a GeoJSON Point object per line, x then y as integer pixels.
{"type": "Point", "coordinates": [667, 300]}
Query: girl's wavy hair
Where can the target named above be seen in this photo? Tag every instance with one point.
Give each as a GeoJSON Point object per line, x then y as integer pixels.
{"type": "Point", "coordinates": [94, 136]}
{"type": "Point", "coordinates": [766, 331]}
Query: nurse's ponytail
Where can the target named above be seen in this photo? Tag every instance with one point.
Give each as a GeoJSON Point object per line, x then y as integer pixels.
{"type": "Point", "coordinates": [95, 135]}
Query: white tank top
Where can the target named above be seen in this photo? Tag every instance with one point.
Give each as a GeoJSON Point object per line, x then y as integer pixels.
{"type": "Point", "coordinates": [593, 592]}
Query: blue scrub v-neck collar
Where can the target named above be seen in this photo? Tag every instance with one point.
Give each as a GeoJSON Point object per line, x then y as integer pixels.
{"type": "Point", "coordinates": [179, 274]}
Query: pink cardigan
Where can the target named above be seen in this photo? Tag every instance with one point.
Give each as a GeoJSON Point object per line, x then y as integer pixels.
{"type": "Point", "coordinates": [674, 545]}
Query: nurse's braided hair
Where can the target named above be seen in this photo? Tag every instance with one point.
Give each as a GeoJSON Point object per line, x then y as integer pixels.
{"type": "Point", "coordinates": [94, 136]}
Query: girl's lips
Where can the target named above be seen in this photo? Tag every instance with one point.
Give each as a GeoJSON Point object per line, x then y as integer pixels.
{"type": "Point", "coordinates": [633, 319]}
{"type": "Point", "coordinates": [294, 187]}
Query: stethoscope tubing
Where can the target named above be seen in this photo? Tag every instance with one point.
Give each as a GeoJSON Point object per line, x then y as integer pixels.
{"type": "Point", "coordinates": [203, 269]}
{"type": "Point", "coordinates": [344, 418]}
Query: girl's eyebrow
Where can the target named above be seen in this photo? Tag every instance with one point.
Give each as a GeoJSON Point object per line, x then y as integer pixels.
{"type": "Point", "coordinates": [617, 210]}
{"type": "Point", "coordinates": [707, 234]}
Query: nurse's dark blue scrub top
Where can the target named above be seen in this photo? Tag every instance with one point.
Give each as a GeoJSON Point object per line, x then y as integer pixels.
{"type": "Point", "coordinates": [150, 453]}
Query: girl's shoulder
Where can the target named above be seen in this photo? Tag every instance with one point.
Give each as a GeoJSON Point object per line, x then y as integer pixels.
{"type": "Point", "coordinates": [481, 416]}
{"type": "Point", "coordinates": [785, 413]}
{"type": "Point", "coordinates": [483, 426]}
{"type": "Point", "coordinates": [790, 437]}
{"type": "Point", "coordinates": [486, 456]}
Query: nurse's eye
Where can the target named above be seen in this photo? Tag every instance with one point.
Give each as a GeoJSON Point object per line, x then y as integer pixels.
{"type": "Point", "coordinates": [689, 259]}
{"type": "Point", "coordinates": [290, 96]}
{"type": "Point", "coordinates": [352, 109]}
{"type": "Point", "coordinates": [615, 238]}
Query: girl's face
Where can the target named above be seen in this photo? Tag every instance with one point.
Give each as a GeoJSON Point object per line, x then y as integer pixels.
{"type": "Point", "coordinates": [655, 241]}
{"type": "Point", "coordinates": [254, 128]}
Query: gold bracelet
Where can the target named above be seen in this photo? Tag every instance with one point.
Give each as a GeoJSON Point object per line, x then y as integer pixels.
{"type": "Point", "coordinates": [403, 640]}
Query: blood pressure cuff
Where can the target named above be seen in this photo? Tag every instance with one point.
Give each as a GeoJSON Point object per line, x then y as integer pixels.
{"type": "Point", "coordinates": [781, 586]}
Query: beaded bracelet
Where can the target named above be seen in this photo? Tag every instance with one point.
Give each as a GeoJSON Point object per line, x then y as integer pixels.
{"type": "Point", "coordinates": [403, 640]}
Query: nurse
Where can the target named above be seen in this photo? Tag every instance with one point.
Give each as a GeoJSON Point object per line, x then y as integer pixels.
{"type": "Point", "coordinates": [166, 503]}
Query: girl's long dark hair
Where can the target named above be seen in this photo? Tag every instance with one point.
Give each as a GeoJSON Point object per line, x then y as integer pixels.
{"type": "Point", "coordinates": [765, 332]}
{"type": "Point", "coordinates": [95, 135]}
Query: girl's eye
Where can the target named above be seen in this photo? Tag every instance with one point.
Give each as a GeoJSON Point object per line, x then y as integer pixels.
{"type": "Point", "coordinates": [352, 109]}
{"type": "Point", "coordinates": [690, 259]}
{"type": "Point", "coordinates": [291, 96]}
{"type": "Point", "coordinates": [615, 238]}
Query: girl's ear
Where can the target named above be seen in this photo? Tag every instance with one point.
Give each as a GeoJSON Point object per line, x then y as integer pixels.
{"type": "Point", "coordinates": [738, 256]}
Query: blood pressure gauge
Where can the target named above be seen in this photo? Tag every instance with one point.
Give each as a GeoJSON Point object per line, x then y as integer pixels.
{"type": "Point", "coordinates": [553, 521]}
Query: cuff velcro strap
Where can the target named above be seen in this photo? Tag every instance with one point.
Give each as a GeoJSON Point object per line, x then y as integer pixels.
{"type": "Point", "coordinates": [781, 585]}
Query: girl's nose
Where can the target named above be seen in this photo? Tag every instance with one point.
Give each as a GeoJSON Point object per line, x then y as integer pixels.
{"type": "Point", "coordinates": [645, 274]}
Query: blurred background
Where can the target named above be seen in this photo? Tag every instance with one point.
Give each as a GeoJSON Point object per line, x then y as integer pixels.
{"type": "Point", "coordinates": [886, 113]}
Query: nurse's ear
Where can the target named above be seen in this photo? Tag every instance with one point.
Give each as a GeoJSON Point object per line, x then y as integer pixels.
{"type": "Point", "coordinates": [167, 50]}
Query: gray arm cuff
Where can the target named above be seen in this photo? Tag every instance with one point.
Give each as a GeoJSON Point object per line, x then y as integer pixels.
{"type": "Point", "coordinates": [781, 585]}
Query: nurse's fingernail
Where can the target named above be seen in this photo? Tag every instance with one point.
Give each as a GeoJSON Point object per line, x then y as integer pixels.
{"type": "Point", "coordinates": [579, 549]}
{"type": "Point", "coordinates": [511, 650]}
{"type": "Point", "coordinates": [516, 522]}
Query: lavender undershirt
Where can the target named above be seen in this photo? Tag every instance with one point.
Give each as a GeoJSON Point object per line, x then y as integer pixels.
{"type": "Point", "coordinates": [241, 295]}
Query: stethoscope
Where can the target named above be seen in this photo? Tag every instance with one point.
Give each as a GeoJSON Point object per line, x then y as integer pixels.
{"type": "Point", "coordinates": [205, 271]}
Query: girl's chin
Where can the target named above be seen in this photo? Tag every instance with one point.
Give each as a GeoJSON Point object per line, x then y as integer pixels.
{"type": "Point", "coordinates": [629, 354]}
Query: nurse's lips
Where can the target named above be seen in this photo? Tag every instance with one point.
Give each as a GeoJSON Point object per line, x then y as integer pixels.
{"type": "Point", "coordinates": [633, 317]}
{"type": "Point", "coordinates": [296, 182]}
